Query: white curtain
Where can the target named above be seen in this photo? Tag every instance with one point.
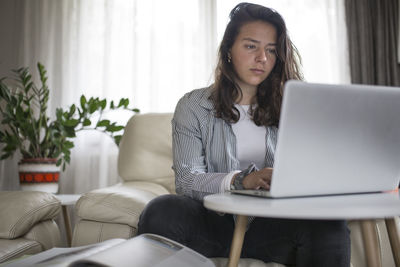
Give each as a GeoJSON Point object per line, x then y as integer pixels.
{"type": "Point", "coordinates": [151, 51]}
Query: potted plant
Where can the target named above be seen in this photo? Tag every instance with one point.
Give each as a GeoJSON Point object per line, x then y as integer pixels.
{"type": "Point", "coordinates": [44, 144]}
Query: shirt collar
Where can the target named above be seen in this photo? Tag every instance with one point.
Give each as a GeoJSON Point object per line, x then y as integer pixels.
{"type": "Point", "coordinates": [205, 100]}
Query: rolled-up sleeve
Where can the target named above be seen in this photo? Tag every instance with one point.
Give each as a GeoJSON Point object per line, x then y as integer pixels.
{"type": "Point", "coordinates": [192, 177]}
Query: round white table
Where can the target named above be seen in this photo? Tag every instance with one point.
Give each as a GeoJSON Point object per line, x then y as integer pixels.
{"type": "Point", "coordinates": [363, 207]}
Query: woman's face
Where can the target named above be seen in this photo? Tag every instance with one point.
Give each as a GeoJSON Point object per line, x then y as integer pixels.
{"type": "Point", "coordinates": [254, 54]}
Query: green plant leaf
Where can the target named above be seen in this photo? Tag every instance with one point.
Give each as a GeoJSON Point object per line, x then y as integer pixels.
{"type": "Point", "coordinates": [19, 114]}
{"type": "Point", "coordinates": [86, 122]}
{"type": "Point", "coordinates": [103, 104]}
{"type": "Point", "coordinates": [121, 102]}
{"type": "Point", "coordinates": [67, 157]}
{"type": "Point", "coordinates": [126, 103]}
{"type": "Point", "coordinates": [117, 139]}
{"type": "Point", "coordinates": [103, 123]}
{"type": "Point", "coordinates": [59, 113]}
{"type": "Point", "coordinates": [83, 102]}
{"type": "Point", "coordinates": [68, 144]}
{"type": "Point", "coordinates": [5, 156]}
{"type": "Point", "coordinates": [71, 123]}
{"type": "Point", "coordinates": [114, 128]}
{"type": "Point", "coordinates": [69, 132]}
{"type": "Point", "coordinates": [72, 110]}
{"type": "Point", "coordinates": [92, 107]}
{"type": "Point", "coordinates": [25, 80]}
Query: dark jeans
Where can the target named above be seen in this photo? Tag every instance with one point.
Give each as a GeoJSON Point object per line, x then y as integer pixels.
{"type": "Point", "coordinates": [291, 242]}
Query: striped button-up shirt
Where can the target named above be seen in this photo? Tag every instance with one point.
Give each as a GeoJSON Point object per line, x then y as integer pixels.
{"type": "Point", "coordinates": [204, 147]}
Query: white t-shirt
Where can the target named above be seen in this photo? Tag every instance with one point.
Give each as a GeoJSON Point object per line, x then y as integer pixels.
{"type": "Point", "coordinates": [250, 144]}
{"type": "Point", "coordinates": [250, 139]}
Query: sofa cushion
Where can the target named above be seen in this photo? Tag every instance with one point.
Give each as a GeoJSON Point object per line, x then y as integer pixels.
{"type": "Point", "coordinates": [15, 248]}
{"type": "Point", "coordinates": [90, 232]}
{"type": "Point", "coordinates": [24, 209]}
{"type": "Point", "coordinates": [145, 151]}
{"type": "Point", "coordinates": [118, 204]}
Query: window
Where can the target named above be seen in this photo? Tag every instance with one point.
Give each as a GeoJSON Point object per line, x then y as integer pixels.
{"type": "Point", "coordinates": [152, 51]}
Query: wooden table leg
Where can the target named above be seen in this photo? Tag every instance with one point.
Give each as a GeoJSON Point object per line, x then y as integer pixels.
{"type": "Point", "coordinates": [370, 238]}
{"type": "Point", "coordinates": [67, 224]}
{"type": "Point", "coordinates": [237, 241]}
{"type": "Point", "coordinates": [394, 239]}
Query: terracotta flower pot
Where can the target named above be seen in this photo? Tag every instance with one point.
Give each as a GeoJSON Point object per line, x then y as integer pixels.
{"type": "Point", "coordinates": [39, 174]}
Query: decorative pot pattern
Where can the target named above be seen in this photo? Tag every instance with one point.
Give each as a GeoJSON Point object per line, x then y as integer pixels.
{"type": "Point", "coordinates": [40, 174]}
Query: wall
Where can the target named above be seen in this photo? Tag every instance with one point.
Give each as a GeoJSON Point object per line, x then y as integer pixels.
{"type": "Point", "coordinates": [8, 60]}
{"type": "Point", "coordinates": [9, 37]}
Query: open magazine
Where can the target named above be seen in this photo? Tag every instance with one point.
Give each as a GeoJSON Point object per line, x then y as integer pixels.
{"type": "Point", "coordinates": [141, 251]}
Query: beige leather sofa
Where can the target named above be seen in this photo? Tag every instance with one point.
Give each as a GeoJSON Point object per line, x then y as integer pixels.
{"type": "Point", "coordinates": [144, 163]}
{"type": "Point", "coordinates": [27, 223]}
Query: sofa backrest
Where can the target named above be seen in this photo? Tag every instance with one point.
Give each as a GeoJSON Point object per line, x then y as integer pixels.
{"type": "Point", "coordinates": [145, 151]}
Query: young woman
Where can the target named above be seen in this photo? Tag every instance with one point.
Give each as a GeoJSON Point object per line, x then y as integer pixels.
{"type": "Point", "coordinates": [225, 136]}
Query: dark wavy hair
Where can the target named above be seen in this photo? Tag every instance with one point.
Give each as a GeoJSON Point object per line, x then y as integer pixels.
{"type": "Point", "coordinates": [269, 92]}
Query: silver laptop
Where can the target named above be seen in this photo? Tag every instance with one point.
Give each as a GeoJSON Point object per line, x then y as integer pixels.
{"type": "Point", "coordinates": [336, 139]}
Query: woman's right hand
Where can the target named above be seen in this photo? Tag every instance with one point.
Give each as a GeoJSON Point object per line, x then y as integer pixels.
{"type": "Point", "coordinates": [258, 179]}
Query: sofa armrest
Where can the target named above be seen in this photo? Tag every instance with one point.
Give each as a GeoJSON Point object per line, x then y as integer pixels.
{"type": "Point", "coordinates": [121, 204]}
{"type": "Point", "coordinates": [21, 210]}
{"type": "Point", "coordinates": [46, 233]}
{"type": "Point", "coordinates": [14, 248]}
